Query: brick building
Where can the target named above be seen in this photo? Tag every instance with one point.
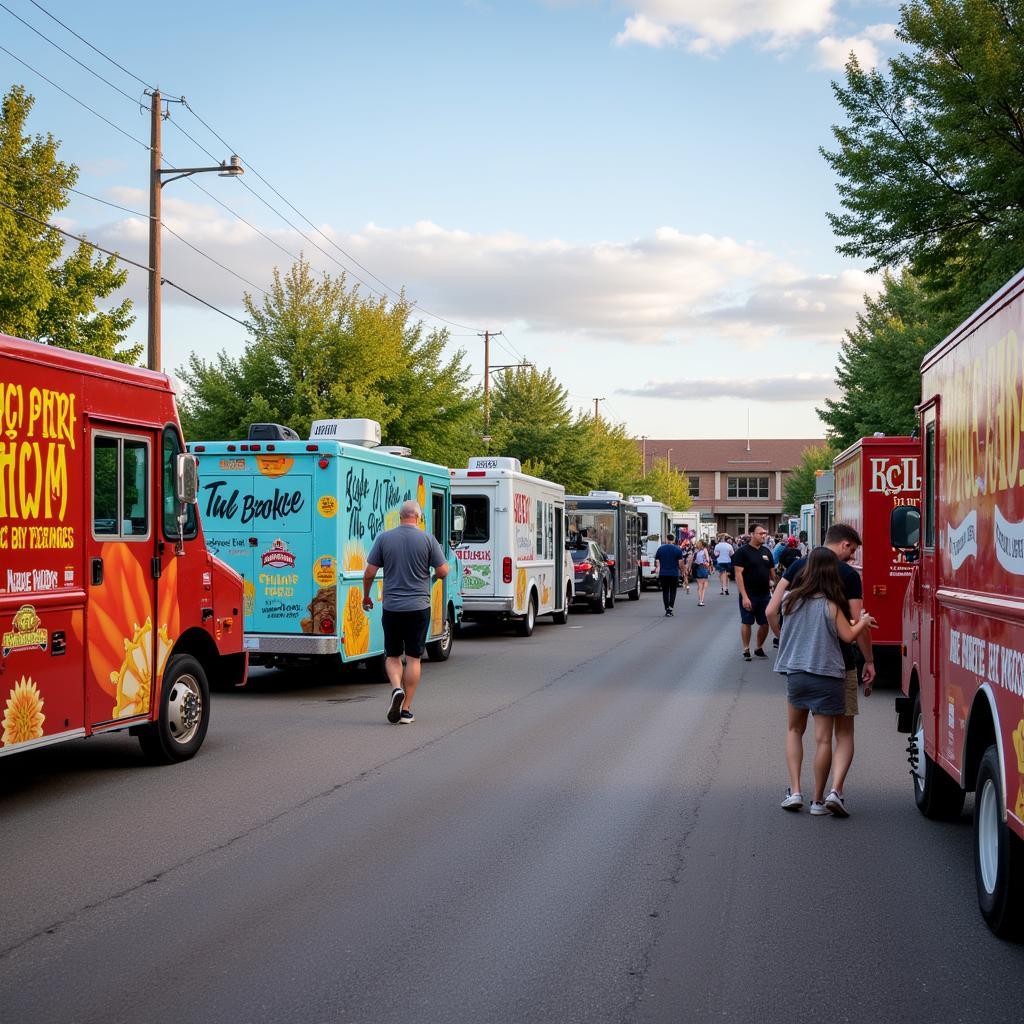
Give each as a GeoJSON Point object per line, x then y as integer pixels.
{"type": "Point", "coordinates": [732, 483]}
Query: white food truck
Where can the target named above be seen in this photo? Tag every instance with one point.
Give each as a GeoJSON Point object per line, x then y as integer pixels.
{"type": "Point", "coordinates": [515, 565]}
{"type": "Point", "coordinates": [655, 526]}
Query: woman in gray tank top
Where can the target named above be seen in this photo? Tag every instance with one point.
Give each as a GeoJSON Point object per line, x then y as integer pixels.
{"type": "Point", "coordinates": [816, 617]}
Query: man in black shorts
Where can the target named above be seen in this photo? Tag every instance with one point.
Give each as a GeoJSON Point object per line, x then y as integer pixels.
{"type": "Point", "coordinates": [755, 570]}
{"type": "Point", "coordinates": [406, 554]}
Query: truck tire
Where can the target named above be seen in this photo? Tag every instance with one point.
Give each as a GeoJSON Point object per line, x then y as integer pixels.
{"type": "Point", "coordinates": [562, 617]}
{"type": "Point", "coordinates": [184, 715]}
{"type": "Point", "coordinates": [524, 626]}
{"type": "Point", "coordinates": [441, 648]}
{"type": "Point", "coordinates": [634, 594]}
{"type": "Point", "coordinates": [937, 795]}
{"type": "Point", "coordinates": [610, 600]}
{"type": "Point", "coordinates": [597, 606]}
{"type": "Point", "coordinates": [998, 854]}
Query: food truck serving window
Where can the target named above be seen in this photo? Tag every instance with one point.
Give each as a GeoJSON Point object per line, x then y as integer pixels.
{"type": "Point", "coordinates": [120, 491]}
{"type": "Point", "coordinates": [171, 449]}
{"type": "Point", "coordinates": [478, 518]}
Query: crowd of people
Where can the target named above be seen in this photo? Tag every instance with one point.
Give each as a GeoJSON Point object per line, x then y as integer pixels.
{"type": "Point", "coordinates": [813, 603]}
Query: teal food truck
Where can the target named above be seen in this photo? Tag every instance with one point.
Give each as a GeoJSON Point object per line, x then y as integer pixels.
{"type": "Point", "coordinates": [297, 519]}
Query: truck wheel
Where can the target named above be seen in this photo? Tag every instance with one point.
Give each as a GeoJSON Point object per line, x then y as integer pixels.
{"type": "Point", "coordinates": [610, 600]}
{"type": "Point", "coordinates": [441, 648]}
{"type": "Point", "coordinates": [184, 715]}
{"type": "Point", "coordinates": [634, 594]}
{"type": "Point", "coordinates": [998, 855]}
{"type": "Point", "coordinates": [599, 602]}
{"type": "Point", "coordinates": [562, 617]}
{"type": "Point", "coordinates": [937, 796]}
{"type": "Point", "coordinates": [524, 626]}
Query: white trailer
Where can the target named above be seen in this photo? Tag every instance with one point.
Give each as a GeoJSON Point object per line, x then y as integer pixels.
{"type": "Point", "coordinates": [655, 526]}
{"type": "Point", "coordinates": [515, 565]}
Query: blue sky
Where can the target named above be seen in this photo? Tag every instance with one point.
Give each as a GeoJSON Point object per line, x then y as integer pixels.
{"type": "Point", "coordinates": [631, 191]}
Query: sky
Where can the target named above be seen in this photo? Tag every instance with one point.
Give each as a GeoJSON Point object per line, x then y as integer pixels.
{"type": "Point", "coordinates": [631, 192]}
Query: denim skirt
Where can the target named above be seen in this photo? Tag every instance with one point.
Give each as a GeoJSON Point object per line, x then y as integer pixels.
{"type": "Point", "coordinates": [821, 695]}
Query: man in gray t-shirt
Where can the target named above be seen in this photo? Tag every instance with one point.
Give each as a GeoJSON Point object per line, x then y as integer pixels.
{"type": "Point", "coordinates": [406, 554]}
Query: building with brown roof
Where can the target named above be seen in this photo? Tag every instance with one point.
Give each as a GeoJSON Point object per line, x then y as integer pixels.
{"type": "Point", "coordinates": [733, 483]}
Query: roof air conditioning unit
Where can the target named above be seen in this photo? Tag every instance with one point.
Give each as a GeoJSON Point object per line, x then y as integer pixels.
{"type": "Point", "coordinates": [395, 449]}
{"type": "Point", "coordinates": [645, 498]}
{"type": "Point", "coordinates": [271, 432]}
{"type": "Point", "coordinates": [495, 462]}
{"type": "Point", "coordinates": [365, 433]}
{"type": "Point", "coordinates": [617, 495]}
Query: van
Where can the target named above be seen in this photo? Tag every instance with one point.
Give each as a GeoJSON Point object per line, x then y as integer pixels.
{"type": "Point", "coordinates": [614, 523]}
{"type": "Point", "coordinates": [515, 565]}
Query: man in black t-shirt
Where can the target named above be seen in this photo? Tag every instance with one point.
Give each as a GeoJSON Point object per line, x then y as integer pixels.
{"type": "Point", "coordinates": [843, 541]}
{"type": "Point", "coordinates": [755, 571]}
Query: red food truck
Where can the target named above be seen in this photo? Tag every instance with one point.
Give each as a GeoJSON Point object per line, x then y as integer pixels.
{"type": "Point", "coordinates": [872, 477]}
{"type": "Point", "coordinates": [963, 622]}
{"type": "Point", "coordinates": [113, 613]}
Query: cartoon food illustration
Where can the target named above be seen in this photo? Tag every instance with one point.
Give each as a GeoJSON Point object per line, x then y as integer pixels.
{"type": "Point", "coordinates": [353, 557]}
{"type": "Point", "coordinates": [545, 598]}
{"type": "Point", "coordinates": [249, 597]}
{"type": "Point", "coordinates": [23, 714]}
{"type": "Point", "coordinates": [520, 588]}
{"type": "Point", "coordinates": [436, 607]}
{"type": "Point", "coordinates": [355, 623]}
{"type": "Point", "coordinates": [323, 611]}
{"type": "Point", "coordinates": [133, 682]}
{"type": "Point", "coordinates": [421, 497]}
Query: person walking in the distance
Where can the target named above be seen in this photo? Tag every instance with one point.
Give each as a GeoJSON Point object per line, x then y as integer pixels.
{"type": "Point", "coordinates": [406, 554]}
{"type": "Point", "coordinates": [668, 560]}
{"type": "Point", "coordinates": [755, 570]}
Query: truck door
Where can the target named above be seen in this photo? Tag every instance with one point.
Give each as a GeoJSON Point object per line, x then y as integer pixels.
{"type": "Point", "coordinates": [559, 556]}
{"type": "Point", "coordinates": [124, 644]}
{"type": "Point", "coordinates": [928, 626]}
{"type": "Point", "coordinates": [438, 524]}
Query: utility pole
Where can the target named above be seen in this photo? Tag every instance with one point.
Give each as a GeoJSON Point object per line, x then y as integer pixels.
{"type": "Point", "coordinates": [154, 354]}
{"type": "Point", "coordinates": [487, 335]}
{"type": "Point", "coordinates": [596, 400]}
{"type": "Point", "coordinates": [643, 445]}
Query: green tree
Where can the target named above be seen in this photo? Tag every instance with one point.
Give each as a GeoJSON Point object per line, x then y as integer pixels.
{"type": "Point", "coordinates": [878, 371]}
{"type": "Point", "coordinates": [46, 295]}
{"type": "Point", "coordinates": [799, 489]}
{"type": "Point", "coordinates": [666, 485]}
{"type": "Point", "coordinates": [321, 350]}
{"type": "Point", "coordinates": [530, 418]}
{"type": "Point", "coordinates": [931, 157]}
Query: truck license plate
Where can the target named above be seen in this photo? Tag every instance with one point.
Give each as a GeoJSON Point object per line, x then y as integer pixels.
{"type": "Point", "coordinates": [252, 643]}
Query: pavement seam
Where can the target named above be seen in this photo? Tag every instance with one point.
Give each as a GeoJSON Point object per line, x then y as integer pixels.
{"type": "Point", "coordinates": [82, 911]}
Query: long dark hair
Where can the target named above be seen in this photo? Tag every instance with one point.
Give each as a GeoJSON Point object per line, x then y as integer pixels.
{"type": "Point", "coordinates": [820, 578]}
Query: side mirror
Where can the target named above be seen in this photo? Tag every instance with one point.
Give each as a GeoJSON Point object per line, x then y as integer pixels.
{"type": "Point", "coordinates": [905, 527]}
{"type": "Point", "coordinates": [186, 480]}
{"type": "Point", "coordinates": [458, 525]}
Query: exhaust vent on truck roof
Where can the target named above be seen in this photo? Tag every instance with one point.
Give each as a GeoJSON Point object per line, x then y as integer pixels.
{"type": "Point", "coordinates": [495, 462]}
{"type": "Point", "coordinates": [365, 433]}
{"type": "Point", "coordinates": [395, 449]}
{"type": "Point", "coordinates": [271, 432]}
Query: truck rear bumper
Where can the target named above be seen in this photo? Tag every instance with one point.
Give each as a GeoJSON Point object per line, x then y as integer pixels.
{"type": "Point", "coordinates": [289, 643]}
{"type": "Point", "coordinates": [488, 605]}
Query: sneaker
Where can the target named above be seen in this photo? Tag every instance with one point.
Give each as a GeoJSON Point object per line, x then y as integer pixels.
{"type": "Point", "coordinates": [406, 718]}
{"type": "Point", "coordinates": [793, 801]}
{"type": "Point", "coordinates": [818, 809]}
{"type": "Point", "coordinates": [759, 653]}
{"type": "Point", "coordinates": [395, 710]}
{"type": "Point", "coordinates": [667, 613]}
{"type": "Point", "coordinates": [746, 655]}
{"type": "Point", "coordinates": [727, 593]}
{"type": "Point", "coordinates": [834, 802]}
{"type": "Point", "coordinates": [775, 641]}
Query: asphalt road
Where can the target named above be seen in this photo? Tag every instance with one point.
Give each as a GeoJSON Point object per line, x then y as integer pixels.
{"type": "Point", "coordinates": [581, 826]}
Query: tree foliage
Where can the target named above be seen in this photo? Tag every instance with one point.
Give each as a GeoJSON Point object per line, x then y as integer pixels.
{"type": "Point", "coordinates": [531, 420]}
{"type": "Point", "coordinates": [46, 295]}
{"type": "Point", "coordinates": [666, 485]}
{"type": "Point", "coordinates": [879, 362]}
{"type": "Point", "coordinates": [800, 484]}
{"type": "Point", "coordinates": [931, 158]}
{"type": "Point", "coordinates": [321, 350]}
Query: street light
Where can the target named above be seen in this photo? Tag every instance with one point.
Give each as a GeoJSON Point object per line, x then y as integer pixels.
{"type": "Point", "coordinates": [669, 459]}
{"type": "Point", "coordinates": [226, 169]}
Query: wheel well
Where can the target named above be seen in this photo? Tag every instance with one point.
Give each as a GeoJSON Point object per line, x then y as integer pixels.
{"type": "Point", "coordinates": [981, 734]}
{"type": "Point", "coordinates": [200, 645]}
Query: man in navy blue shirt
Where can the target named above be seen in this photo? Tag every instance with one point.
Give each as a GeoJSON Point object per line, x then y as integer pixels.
{"type": "Point", "coordinates": [668, 560]}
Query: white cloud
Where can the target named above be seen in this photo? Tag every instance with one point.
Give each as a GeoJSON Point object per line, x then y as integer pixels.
{"type": "Point", "coordinates": [665, 288]}
{"type": "Point", "coordinates": [709, 26]}
{"type": "Point", "coordinates": [832, 53]}
{"type": "Point", "coordinates": [884, 32]}
{"type": "Point", "coordinates": [800, 387]}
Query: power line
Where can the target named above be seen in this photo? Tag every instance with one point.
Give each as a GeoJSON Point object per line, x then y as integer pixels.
{"type": "Point", "coordinates": [120, 258]}
{"type": "Point", "coordinates": [105, 56]}
{"type": "Point", "coordinates": [71, 96]}
{"type": "Point", "coordinates": [70, 56]}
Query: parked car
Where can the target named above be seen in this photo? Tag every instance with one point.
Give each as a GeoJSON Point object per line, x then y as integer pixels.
{"type": "Point", "coordinates": [593, 572]}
